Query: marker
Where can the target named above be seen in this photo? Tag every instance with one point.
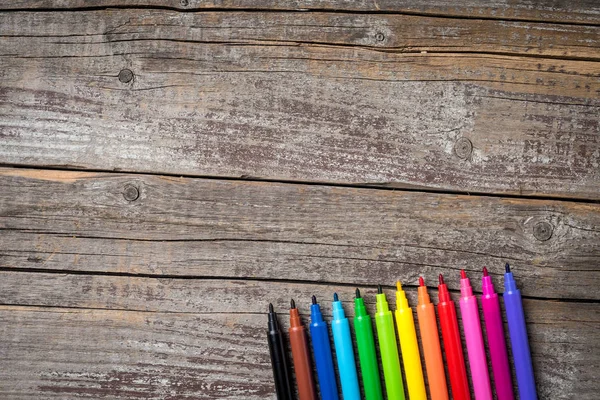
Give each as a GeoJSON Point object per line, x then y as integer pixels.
{"type": "Point", "coordinates": [363, 330]}
{"type": "Point", "coordinates": [343, 350]}
{"type": "Point", "coordinates": [496, 343]}
{"type": "Point", "coordinates": [452, 344]}
{"type": "Point", "coordinates": [322, 352]}
{"type": "Point", "coordinates": [474, 339]}
{"type": "Point", "coordinates": [388, 348]}
{"type": "Point", "coordinates": [432, 351]}
{"type": "Point", "coordinates": [279, 362]}
{"type": "Point", "coordinates": [301, 356]}
{"type": "Point", "coordinates": [410, 347]}
{"type": "Point", "coordinates": [518, 337]}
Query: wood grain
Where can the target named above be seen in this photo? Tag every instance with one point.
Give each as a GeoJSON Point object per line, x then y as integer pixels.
{"type": "Point", "coordinates": [72, 221]}
{"type": "Point", "coordinates": [577, 11]}
{"type": "Point", "coordinates": [180, 338]}
{"type": "Point", "coordinates": [399, 33]}
{"type": "Point", "coordinates": [229, 100]}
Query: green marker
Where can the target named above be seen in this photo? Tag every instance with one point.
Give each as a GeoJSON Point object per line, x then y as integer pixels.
{"type": "Point", "coordinates": [388, 349]}
{"type": "Point", "coordinates": [363, 329]}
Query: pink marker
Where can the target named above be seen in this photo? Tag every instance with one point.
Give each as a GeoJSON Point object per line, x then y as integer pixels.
{"type": "Point", "coordinates": [496, 342]}
{"type": "Point", "coordinates": [474, 339]}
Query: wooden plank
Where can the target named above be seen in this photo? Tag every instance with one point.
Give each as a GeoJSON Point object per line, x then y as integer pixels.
{"type": "Point", "coordinates": [293, 111]}
{"type": "Point", "coordinates": [577, 11]}
{"type": "Point", "coordinates": [182, 338]}
{"type": "Point", "coordinates": [75, 221]}
{"type": "Point", "coordinates": [400, 33]}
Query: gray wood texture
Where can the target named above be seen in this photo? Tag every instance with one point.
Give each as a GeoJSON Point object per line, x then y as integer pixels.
{"type": "Point", "coordinates": [168, 168]}
{"type": "Point", "coordinates": [215, 228]}
{"type": "Point", "coordinates": [132, 337]}
{"type": "Point", "coordinates": [576, 11]}
{"type": "Point", "coordinates": [306, 97]}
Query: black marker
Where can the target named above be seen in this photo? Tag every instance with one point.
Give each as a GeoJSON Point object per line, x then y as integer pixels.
{"type": "Point", "coordinates": [279, 361]}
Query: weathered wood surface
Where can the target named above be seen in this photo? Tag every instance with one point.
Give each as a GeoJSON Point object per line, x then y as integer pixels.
{"type": "Point", "coordinates": [307, 97]}
{"type": "Point", "coordinates": [79, 221]}
{"type": "Point", "coordinates": [577, 11]}
{"type": "Point", "coordinates": [147, 338]}
{"type": "Point", "coordinates": [124, 280]}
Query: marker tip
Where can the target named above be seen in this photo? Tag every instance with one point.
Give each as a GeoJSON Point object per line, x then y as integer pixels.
{"type": "Point", "coordinates": [379, 289]}
{"type": "Point", "coordinates": [485, 271]}
{"type": "Point", "coordinates": [441, 277]}
{"type": "Point", "coordinates": [314, 299]}
{"type": "Point", "coordinates": [292, 304]}
{"type": "Point", "coordinates": [335, 297]}
{"type": "Point", "coordinates": [463, 274]}
{"type": "Point", "coordinates": [507, 267]}
{"type": "Point", "coordinates": [271, 307]}
{"type": "Point", "coordinates": [398, 286]}
{"type": "Point", "coordinates": [357, 293]}
{"type": "Point", "coordinates": [421, 281]}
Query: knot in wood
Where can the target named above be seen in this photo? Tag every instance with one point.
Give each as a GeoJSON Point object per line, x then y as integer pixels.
{"type": "Point", "coordinates": [184, 3]}
{"type": "Point", "coordinates": [543, 231]}
{"type": "Point", "coordinates": [463, 148]}
{"type": "Point", "coordinates": [380, 37]}
{"type": "Point", "coordinates": [131, 193]}
{"type": "Point", "coordinates": [125, 75]}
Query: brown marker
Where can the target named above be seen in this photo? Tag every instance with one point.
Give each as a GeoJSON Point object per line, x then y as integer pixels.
{"type": "Point", "coordinates": [301, 355]}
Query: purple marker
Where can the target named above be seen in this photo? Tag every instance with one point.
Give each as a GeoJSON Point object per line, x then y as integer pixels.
{"type": "Point", "coordinates": [518, 337]}
{"type": "Point", "coordinates": [496, 342]}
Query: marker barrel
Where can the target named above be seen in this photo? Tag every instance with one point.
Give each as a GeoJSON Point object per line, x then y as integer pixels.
{"type": "Point", "coordinates": [363, 329]}
{"type": "Point", "coordinates": [453, 345]}
{"type": "Point", "coordinates": [322, 352]}
{"type": "Point", "coordinates": [518, 339]}
{"type": "Point", "coordinates": [410, 348]}
{"type": "Point", "coordinates": [474, 339]}
{"type": "Point", "coordinates": [345, 355]}
{"type": "Point", "coordinates": [432, 350]}
{"type": "Point", "coordinates": [279, 362]}
{"type": "Point", "coordinates": [301, 358]}
{"type": "Point", "coordinates": [496, 342]}
{"type": "Point", "coordinates": [389, 350]}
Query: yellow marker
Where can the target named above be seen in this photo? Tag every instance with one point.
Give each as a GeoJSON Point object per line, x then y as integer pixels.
{"type": "Point", "coordinates": [409, 347]}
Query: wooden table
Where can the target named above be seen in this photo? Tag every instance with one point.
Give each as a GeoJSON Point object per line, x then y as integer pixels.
{"type": "Point", "coordinates": [168, 168]}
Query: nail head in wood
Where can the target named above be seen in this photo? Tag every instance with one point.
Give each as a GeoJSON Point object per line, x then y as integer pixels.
{"type": "Point", "coordinates": [126, 75]}
{"type": "Point", "coordinates": [542, 231]}
{"type": "Point", "coordinates": [380, 37]}
{"type": "Point", "coordinates": [463, 148]}
{"type": "Point", "coordinates": [131, 193]}
{"type": "Point", "coordinates": [184, 3]}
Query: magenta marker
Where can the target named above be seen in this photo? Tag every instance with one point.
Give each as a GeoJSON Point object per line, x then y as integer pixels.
{"type": "Point", "coordinates": [474, 339]}
{"type": "Point", "coordinates": [496, 342]}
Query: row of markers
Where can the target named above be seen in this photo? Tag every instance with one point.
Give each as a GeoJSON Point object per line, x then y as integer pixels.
{"type": "Point", "coordinates": [388, 348]}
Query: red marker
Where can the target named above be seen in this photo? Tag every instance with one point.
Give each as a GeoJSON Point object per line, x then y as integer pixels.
{"type": "Point", "coordinates": [452, 344]}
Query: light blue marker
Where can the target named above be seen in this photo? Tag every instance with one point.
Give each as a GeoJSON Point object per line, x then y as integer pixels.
{"type": "Point", "coordinates": [343, 350]}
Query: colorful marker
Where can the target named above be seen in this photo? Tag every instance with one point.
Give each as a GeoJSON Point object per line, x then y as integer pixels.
{"type": "Point", "coordinates": [432, 350]}
{"type": "Point", "coordinates": [322, 352]}
{"type": "Point", "coordinates": [388, 348]}
{"type": "Point", "coordinates": [452, 344]}
{"type": "Point", "coordinates": [301, 356]}
{"type": "Point", "coordinates": [474, 339]}
{"type": "Point", "coordinates": [343, 350]}
{"type": "Point", "coordinates": [279, 362]}
{"type": "Point", "coordinates": [518, 337]}
{"type": "Point", "coordinates": [363, 330]}
{"type": "Point", "coordinates": [495, 335]}
{"type": "Point", "coordinates": [409, 346]}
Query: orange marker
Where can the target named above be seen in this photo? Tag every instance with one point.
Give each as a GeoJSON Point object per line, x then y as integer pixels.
{"type": "Point", "coordinates": [434, 364]}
